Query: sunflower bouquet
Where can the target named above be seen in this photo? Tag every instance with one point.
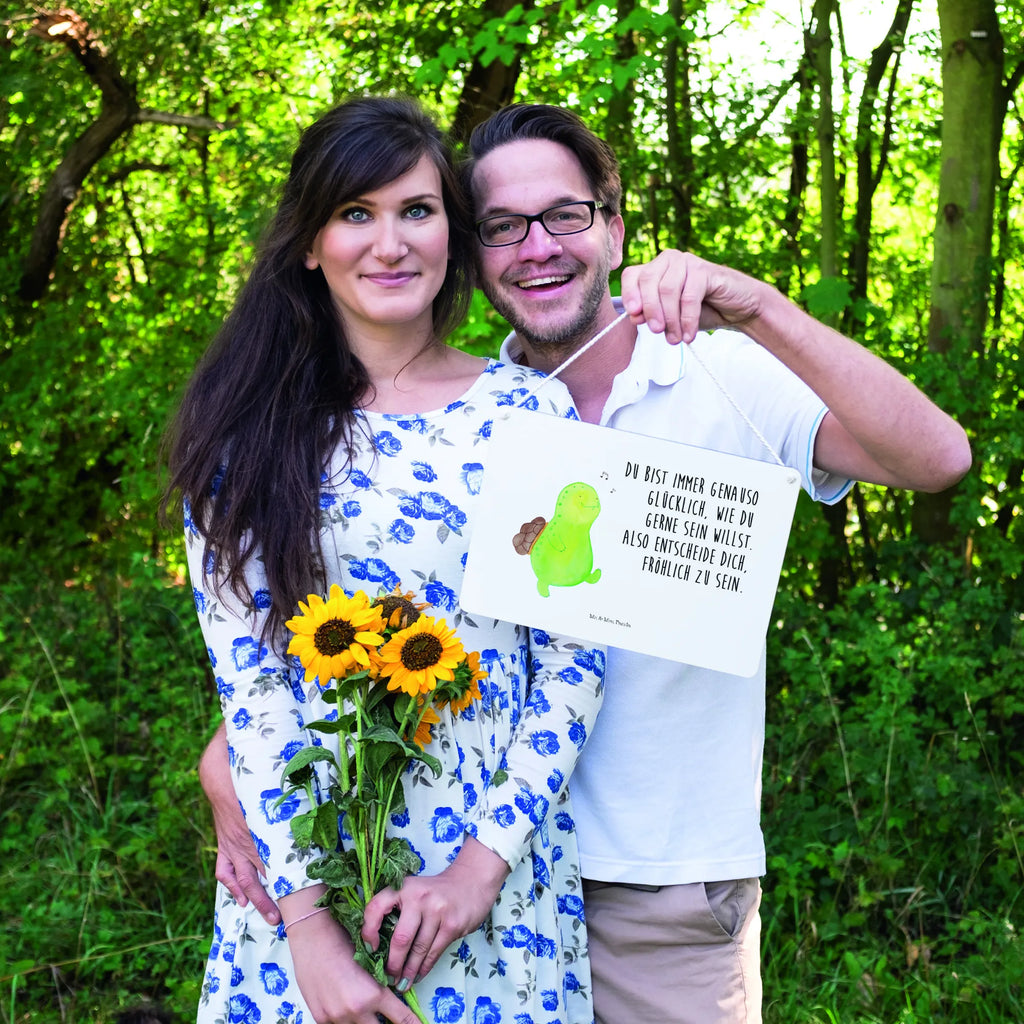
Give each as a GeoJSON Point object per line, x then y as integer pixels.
{"type": "Point", "coordinates": [390, 669]}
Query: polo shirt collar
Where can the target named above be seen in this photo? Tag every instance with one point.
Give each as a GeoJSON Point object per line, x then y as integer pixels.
{"type": "Point", "coordinates": [654, 361]}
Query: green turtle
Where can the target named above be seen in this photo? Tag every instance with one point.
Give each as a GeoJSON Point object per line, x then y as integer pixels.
{"type": "Point", "coordinates": [560, 550]}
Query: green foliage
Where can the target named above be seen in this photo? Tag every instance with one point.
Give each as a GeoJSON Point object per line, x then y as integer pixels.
{"type": "Point", "coordinates": [104, 837]}
{"type": "Point", "coordinates": [893, 764]}
{"type": "Point", "coordinates": [893, 821]}
{"type": "Point", "coordinates": [827, 298]}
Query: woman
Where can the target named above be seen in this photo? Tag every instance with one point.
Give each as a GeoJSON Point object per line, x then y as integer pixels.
{"type": "Point", "coordinates": [330, 436]}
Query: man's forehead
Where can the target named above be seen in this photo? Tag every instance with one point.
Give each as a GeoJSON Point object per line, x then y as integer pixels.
{"type": "Point", "coordinates": [522, 174]}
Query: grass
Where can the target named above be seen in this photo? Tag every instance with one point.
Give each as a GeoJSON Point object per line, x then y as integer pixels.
{"type": "Point", "coordinates": [893, 810]}
{"type": "Point", "coordinates": [106, 883]}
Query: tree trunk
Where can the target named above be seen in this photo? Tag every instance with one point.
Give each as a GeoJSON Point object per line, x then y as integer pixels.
{"type": "Point", "coordinates": [679, 132]}
{"type": "Point", "coordinates": [819, 53]}
{"type": "Point", "coordinates": [869, 171]}
{"type": "Point", "coordinates": [973, 107]}
{"type": "Point", "coordinates": [119, 113]}
{"type": "Point", "coordinates": [486, 89]}
{"type": "Point", "coordinates": [799, 175]}
{"type": "Point", "coordinates": [620, 106]}
{"type": "Point", "coordinates": [819, 56]}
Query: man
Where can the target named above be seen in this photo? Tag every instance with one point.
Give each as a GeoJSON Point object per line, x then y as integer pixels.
{"type": "Point", "coordinates": [667, 791]}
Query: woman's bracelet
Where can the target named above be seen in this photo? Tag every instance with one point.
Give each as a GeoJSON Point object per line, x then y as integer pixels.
{"type": "Point", "coordinates": [312, 913]}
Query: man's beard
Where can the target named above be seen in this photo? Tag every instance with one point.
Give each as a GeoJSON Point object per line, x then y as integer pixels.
{"type": "Point", "coordinates": [565, 337]}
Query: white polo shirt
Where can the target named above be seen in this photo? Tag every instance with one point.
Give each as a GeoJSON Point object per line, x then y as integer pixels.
{"type": "Point", "coordinates": [668, 788]}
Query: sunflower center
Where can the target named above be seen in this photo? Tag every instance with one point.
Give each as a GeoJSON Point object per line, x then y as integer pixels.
{"type": "Point", "coordinates": [421, 651]}
{"type": "Point", "coordinates": [391, 603]}
{"type": "Point", "coordinates": [334, 636]}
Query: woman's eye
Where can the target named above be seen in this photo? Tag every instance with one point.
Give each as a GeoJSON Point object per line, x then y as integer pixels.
{"type": "Point", "coordinates": [354, 215]}
{"type": "Point", "coordinates": [419, 211]}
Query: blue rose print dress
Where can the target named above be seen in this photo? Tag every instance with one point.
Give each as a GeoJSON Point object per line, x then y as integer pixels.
{"type": "Point", "coordinates": [403, 515]}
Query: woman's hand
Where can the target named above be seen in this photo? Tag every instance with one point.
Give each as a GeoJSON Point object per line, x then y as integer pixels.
{"type": "Point", "coordinates": [238, 865]}
{"type": "Point", "coordinates": [336, 989]}
{"type": "Point", "coordinates": [435, 910]}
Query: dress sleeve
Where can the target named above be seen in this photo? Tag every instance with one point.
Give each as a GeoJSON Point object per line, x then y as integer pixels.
{"type": "Point", "coordinates": [563, 698]}
{"type": "Point", "coordinates": [264, 708]}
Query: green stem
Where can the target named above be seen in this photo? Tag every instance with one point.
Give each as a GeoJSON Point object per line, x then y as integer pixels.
{"type": "Point", "coordinates": [381, 823]}
{"type": "Point", "coordinates": [414, 1004]}
{"type": "Point", "coordinates": [359, 834]}
{"type": "Point", "coordinates": [403, 730]}
{"type": "Point", "coordinates": [343, 763]}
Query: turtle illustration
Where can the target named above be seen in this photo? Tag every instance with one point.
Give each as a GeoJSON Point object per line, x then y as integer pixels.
{"type": "Point", "coordinates": [560, 550]}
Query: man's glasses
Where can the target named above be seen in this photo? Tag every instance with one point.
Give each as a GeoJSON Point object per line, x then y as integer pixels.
{"type": "Point", "coordinates": [564, 219]}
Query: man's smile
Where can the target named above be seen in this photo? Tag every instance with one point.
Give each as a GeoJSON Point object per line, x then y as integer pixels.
{"type": "Point", "coordinates": [540, 282]}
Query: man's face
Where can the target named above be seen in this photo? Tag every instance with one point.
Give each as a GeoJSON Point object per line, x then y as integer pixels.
{"type": "Point", "coordinates": [552, 289]}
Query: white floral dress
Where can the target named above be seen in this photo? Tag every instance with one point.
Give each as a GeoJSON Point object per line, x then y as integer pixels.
{"type": "Point", "coordinates": [403, 515]}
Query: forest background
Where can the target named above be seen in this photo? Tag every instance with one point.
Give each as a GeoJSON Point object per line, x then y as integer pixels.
{"type": "Point", "coordinates": [865, 157]}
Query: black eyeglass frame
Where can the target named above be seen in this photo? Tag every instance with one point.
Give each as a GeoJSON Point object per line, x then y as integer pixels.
{"type": "Point", "coordinates": [593, 205]}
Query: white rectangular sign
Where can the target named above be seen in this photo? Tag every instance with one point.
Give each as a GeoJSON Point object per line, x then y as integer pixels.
{"type": "Point", "coordinates": [629, 541]}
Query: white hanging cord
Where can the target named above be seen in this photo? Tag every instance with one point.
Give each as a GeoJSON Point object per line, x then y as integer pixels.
{"type": "Point", "coordinates": [558, 369]}
{"type": "Point", "coordinates": [690, 349]}
{"type": "Point", "coordinates": [746, 419]}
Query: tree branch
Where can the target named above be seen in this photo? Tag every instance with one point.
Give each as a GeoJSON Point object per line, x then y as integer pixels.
{"type": "Point", "coordinates": [119, 113]}
{"type": "Point", "coordinates": [486, 89]}
{"type": "Point", "coordinates": [67, 27]}
{"type": "Point", "coordinates": [206, 124]}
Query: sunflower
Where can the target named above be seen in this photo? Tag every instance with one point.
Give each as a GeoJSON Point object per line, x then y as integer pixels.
{"type": "Point", "coordinates": [399, 610]}
{"type": "Point", "coordinates": [472, 692]}
{"type": "Point", "coordinates": [331, 637]}
{"type": "Point", "coordinates": [417, 657]}
{"type": "Point", "coordinates": [424, 733]}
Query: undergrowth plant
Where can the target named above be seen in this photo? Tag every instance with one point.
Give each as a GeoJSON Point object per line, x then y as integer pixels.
{"type": "Point", "coordinates": [893, 805]}
{"type": "Point", "coordinates": [106, 882]}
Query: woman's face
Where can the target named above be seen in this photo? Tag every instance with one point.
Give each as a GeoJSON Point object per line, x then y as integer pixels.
{"type": "Point", "coordinates": [385, 254]}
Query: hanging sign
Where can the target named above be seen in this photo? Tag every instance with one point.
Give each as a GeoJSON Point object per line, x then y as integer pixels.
{"type": "Point", "coordinates": [630, 541]}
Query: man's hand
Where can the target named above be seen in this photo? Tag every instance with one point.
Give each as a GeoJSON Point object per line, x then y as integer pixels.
{"type": "Point", "coordinates": [435, 910]}
{"type": "Point", "coordinates": [880, 428]}
{"type": "Point", "coordinates": [238, 864]}
{"type": "Point", "coordinates": [680, 293]}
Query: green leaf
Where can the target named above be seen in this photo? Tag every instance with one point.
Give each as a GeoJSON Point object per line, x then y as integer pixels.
{"type": "Point", "coordinates": [428, 759]}
{"type": "Point", "coordinates": [383, 733]}
{"type": "Point", "coordinates": [452, 56]}
{"type": "Point", "coordinates": [302, 826]}
{"type": "Point", "coordinates": [397, 801]}
{"type": "Point", "coordinates": [372, 963]}
{"type": "Point", "coordinates": [828, 297]}
{"type": "Point", "coordinates": [338, 869]}
{"type": "Point", "coordinates": [325, 827]}
{"type": "Point", "coordinates": [398, 861]}
{"type": "Point", "coordinates": [385, 760]}
{"type": "Point", "coordinates": [351, 919]}
{"type": "Point", "coordinates": [380, 694]}
{"type": "Point", "coordinates": [298, 769]}
{"type": "Point", "coordinates": [329, 726]}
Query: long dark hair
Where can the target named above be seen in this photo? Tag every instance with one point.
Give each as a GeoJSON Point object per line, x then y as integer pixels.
{"type": "Point", "coordinates": [275, 394]}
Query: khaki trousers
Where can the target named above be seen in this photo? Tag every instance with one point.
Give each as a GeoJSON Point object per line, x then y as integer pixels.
{"type": "Point", "coordinates": [675, 954]}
